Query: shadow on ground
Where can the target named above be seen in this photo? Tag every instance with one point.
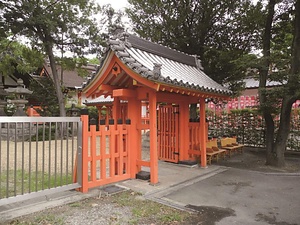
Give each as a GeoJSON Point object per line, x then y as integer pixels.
{"type": "Point", "coordinates": [255, 159]}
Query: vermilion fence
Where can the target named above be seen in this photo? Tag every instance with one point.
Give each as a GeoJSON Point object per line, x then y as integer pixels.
{"type": "Point", "coordinates": [241, 102]}
{"type": "Point", "coordinates": [105, 155]}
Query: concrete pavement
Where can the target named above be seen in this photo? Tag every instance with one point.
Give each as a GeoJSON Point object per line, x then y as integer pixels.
{"type": "Point", "coordinates": [251, 197]}
{"type": "Point", "coordinates": [254, 198]}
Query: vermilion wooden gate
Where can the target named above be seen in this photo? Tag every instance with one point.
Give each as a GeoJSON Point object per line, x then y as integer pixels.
{"type": "Point", "coordinates": [168, 133]}
{"type": "Point", "coordinates": [105, 154]}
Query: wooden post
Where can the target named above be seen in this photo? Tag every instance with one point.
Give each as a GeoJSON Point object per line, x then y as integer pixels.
{"type": "Point", "coordinates": [135, 136]}
{"type": "Point", "coordinates": [202, 132]}
{"type": "Point", "coordinates": [85, 129]}
{"type": "Point", "coordinates": [183, 131]}
{"type": "Point", "coordinates": [153, 138]}
{"type": "Point", "coordinates": [116, 110]}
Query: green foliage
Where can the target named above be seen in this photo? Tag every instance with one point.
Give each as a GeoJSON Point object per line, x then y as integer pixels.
{"type": "Point", "coordinates": [218, 31]}
{"type": "Point", "coordinates": [93, 113]}
{"type": "Point", "coordinates": [44, 94]}
{"type": "Point", "coordinates": [95, 61]}
{"type": "Point", "coordinates": [17, 57]}
{"type": "Point", "coordinates": [43, 134]}
{"type": "Point", "coordinates": [69, 25]}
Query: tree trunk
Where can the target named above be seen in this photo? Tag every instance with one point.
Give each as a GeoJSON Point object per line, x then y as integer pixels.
{"type": "Point", "coordinates": [270, 128]}
{"type": "Point", "coordinates": [275, 154]}
{"type": "Point", "coordinates": [275, 157]}
{"type": "Point", "coordinates": [60, 96]}
{"type": "Point", "coordinates": [263, 75]}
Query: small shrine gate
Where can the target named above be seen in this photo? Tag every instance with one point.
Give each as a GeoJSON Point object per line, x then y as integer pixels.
{"type": "Point", "coordinates": [138, 72]}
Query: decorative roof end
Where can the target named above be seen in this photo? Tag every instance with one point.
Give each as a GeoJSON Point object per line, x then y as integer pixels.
{"type": "Point", "coordinates": [198, 62]}
{"type": "Point", "coordinates": [119, 33]}
{"type": "Point", "coordinates": [156, 70]}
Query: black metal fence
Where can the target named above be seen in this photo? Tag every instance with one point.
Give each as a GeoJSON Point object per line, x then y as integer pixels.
{"type": "Point", "coordinates": [249, 128]}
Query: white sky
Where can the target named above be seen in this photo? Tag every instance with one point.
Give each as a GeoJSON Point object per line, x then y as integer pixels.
{"type": "Point", "coordinates": [116, 4]}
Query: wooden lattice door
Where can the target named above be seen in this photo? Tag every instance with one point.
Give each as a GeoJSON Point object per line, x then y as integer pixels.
{"type": "Point", "coordinates": [168, 133]}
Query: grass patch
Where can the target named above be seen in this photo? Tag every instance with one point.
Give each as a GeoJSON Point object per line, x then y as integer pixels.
{"type": "Point", "coordinates": [143, 209]}
{"type": "Point", "coordinates": [23, 182]}
{"type": "Point", "coordinates": [75, 204]}
{"type": "Point", "coordinates": [46, 219]}
{"type": "Point", "coordinates": [49, 219]}
{"type": "Point", "coordinates": [123, 208]}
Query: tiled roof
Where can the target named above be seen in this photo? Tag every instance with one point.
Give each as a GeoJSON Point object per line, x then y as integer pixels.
{"type": "Point", "coordinates": [254, 83]}
{"type": "Point", "coordinates": [71, 79]}
{"type": "Point", "coordinates": [163, 65]}
{"type": "Point", "coordinates": [100, 99]}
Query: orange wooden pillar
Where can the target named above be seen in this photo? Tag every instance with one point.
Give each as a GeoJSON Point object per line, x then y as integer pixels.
{"type": "Point", "coordinates": [183, 131]}
{"type": "Point", "coordinates": [134, 114]}
{"type": "Point", "coordinates": [202, 132]}
{"type": "Point", "coordinates": [153, 138]}
{"type": "Point", "coordinates": [85, 129]}
{"type": "Point", "coordinates": [115, 116]}
{"type": "Point", "coordinates": [116, 110]}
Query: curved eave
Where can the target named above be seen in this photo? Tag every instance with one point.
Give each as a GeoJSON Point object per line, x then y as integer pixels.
{"type": "Point", "coordinates": [99, 77]}
{"type": "Point", "coordinates": [136, 76]}
{"type": "Point", "coordinates": [203, 93]}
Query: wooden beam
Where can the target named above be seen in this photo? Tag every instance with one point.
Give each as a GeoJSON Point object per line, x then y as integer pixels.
{"type": "Point", "coordinates": [142, 93]}
{"type": "Point", "coordinates": [106, 87]}
{"type": "Point", "coordinates": [124, 93]}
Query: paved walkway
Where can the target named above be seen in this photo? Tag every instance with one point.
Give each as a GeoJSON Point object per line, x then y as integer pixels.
{"type": "Point", "coordinates": [240, 196]}
{"type": "Point", "coordinates": [252, 197]}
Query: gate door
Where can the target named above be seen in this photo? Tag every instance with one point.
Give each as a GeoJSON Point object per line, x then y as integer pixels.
{"type": "Point", "coordinates": [168, 133]}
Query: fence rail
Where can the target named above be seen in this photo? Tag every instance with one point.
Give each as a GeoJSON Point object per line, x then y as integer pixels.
{"type": "Point", "coordinates": [38, 154]}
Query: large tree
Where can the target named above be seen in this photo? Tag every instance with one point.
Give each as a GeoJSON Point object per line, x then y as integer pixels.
{"type": "Point", "coordinates": [217, 31]}
{"type": "Point", "coordinates": [16, 57]}
{"type": "Point", "coordinates": [52, 25]}
{"type": "Point", "coordinates": [220, 32]}
{"type": "Point", "coordinates": [280, 62]}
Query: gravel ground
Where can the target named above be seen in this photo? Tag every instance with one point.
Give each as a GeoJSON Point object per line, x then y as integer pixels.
{"type": "Point", "coordinates": [119, 209]}
{"type": "Point", "coordinates": [32, 155]}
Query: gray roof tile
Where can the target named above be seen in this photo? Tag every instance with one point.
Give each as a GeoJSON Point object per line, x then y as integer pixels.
{"type": "Point", "coordinates": [177, 68]}
{"type": "Point", "coordinates": [254, 83]}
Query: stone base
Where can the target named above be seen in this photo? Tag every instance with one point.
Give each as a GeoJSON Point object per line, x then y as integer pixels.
{"type": "Point", "coordinates": [188, 162]}
{"type": "Point", "coordinates": [143, 175]}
